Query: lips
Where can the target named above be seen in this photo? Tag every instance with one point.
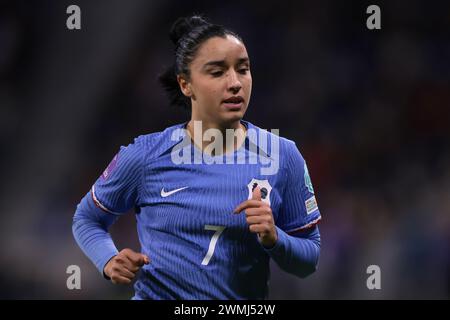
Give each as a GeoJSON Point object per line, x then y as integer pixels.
{"type": "Point", "coordinates": [234, 103]}
{"type": "Point", "coordinates": [234, 100]}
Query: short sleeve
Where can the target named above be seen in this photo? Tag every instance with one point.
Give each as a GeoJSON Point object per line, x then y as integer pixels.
{"type": "Point", "coordinates": [299, 209]}
{"type": "Point", "coordinates": [116, 190]}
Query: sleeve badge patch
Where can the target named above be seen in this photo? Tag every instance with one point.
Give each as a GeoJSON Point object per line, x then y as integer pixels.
{"type": "Point", "coordinates": [308, 182]}
{"type": "Point", "coordinates": [107, 173]}
{"type": "Point", "coordinates": [311, 205]}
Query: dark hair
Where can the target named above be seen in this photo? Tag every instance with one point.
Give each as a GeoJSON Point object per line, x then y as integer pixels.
{"type": "Point", "coordinates": [187, 34]}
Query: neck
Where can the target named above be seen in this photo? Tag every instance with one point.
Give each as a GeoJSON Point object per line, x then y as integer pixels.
{"type": "Point", "coordinates": [215, 141]}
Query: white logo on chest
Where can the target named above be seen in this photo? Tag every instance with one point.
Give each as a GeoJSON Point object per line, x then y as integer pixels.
{"type": "Point", "coordinates": [169, 193]}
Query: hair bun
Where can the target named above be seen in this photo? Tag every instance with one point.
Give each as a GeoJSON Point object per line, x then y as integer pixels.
{"type": "Point", "coordinates": [183, 26]}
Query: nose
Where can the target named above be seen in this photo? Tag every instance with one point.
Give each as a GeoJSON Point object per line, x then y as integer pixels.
{"type": "Point", "coordinates": [234, 85]}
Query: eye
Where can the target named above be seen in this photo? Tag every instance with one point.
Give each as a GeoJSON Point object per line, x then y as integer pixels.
{"type": "Point", "coordinates": [243, 70]}
{"type": "Point", "coordinates": [217, 73]}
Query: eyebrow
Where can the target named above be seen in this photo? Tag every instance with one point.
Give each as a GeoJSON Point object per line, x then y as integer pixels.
{"type": "Point", "coordinates": [221, 63]}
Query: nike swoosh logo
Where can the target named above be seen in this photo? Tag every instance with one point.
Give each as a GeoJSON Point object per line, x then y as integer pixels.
{"type": "Point", "coordinates": [168, 193]}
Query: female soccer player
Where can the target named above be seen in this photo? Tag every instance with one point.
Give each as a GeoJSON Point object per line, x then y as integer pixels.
{"type": "Point", "coordinates": [210, 214]}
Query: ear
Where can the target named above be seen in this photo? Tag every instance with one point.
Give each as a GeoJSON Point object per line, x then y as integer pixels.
{"type": "Point", "coordinates": [185, 86]}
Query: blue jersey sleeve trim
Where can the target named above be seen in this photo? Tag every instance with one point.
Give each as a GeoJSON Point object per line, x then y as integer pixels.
{"type": "Point", "coordinates": [306, 226]}
{"type": "Point", "coordinates": [99, 204]}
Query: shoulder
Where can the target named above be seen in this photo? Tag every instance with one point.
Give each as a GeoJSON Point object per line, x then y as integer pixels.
{"type": "Point", "coordinates": [153, 144]}
{"type": "Point", "coordinates": [275, 144]}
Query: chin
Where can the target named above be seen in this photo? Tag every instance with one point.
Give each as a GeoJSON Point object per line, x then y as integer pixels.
{"type": "Point", "coordinates": [231, 117]}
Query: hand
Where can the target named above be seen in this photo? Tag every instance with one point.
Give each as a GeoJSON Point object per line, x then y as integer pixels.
{"type": "Point", "coordinates": [259, 218]}
{"type": "Point", "coordinates": [123, 267]}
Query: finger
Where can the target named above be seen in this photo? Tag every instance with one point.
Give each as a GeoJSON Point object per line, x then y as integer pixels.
{"type": "Point", "coordinates": [123, 267]}
{"type": "Point", "coordinates": [261, 211]}
{"type": "Point", "coordinates": [122, 261]}
{"type": "Point", "coordinates": [257, 220]}
{"type": "Point", "coordinates": [117, 279]}
{"type": "Point", "coordinates": [124, 272]}
{"type": "Point", "coordinates": [249, 204]}
{"type": "Point", "coordinates": [143, 259]}
{"type": "Point", "coordinates": [130, 265]}
{"type": "Point", "coordinates": [138, 259]}
{"type": "Point", "coordinates": [256, 195]}
{"type": "Point", "coordinates": [259, 228]}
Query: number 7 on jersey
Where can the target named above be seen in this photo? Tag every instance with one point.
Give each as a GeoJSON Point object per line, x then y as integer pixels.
{"type": "Point", "coordinates": [212, 244]}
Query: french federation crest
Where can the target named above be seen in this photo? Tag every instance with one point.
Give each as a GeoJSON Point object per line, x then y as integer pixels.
{"type": "Point", "coordinates": [264, 186]}
{"type": "Point", "coordinates": [308, 182]}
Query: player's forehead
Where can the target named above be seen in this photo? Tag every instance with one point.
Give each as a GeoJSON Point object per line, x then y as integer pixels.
{"type": "Point", "coordinates": [229, 49]}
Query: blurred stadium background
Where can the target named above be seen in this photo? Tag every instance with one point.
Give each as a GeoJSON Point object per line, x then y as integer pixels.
{"type": "Point", "coordinates": [368, 109]}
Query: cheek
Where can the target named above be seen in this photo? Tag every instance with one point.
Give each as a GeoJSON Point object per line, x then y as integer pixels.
{"type": "Point", "coordinates": [248, 85]}
{"type": "Point", "coordinates": [213, 93]}
{"type": "Point", "coordinates": [208, 91]}
{"type": "Point", "coordinates": [218, 95]}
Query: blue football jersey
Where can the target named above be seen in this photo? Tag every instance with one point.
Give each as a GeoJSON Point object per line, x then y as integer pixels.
{"type": "Point", "coordinates": [198, 248]}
